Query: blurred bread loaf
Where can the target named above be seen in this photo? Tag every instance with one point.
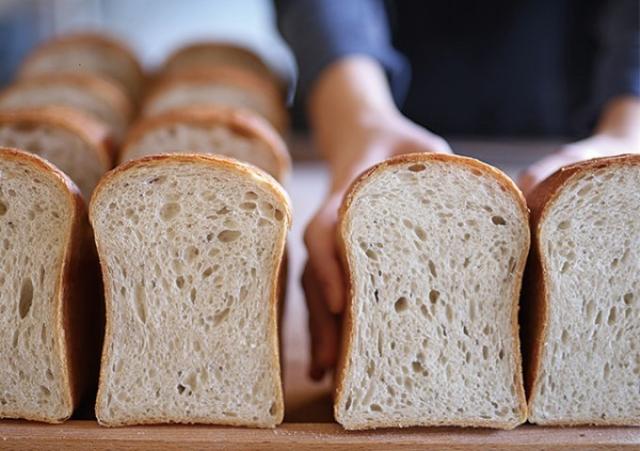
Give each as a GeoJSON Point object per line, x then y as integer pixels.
{"type": "Point", "coordinates": [74, 142]}
{"type": "Point", "coordinates": [214, 130]}
{"type": "Point", "coordinates": [218, 86]}
{"type": "Point", "coordinates": [47, 327]}
{"type": "Point", "coordinates": [434, 249]}
{"type": "Point", "coordinates": [98, 97]}
{"type": "Point", "coordinates": [582, 315]}
{"type": "Point", "coordinates": [191, 249]}
{"type": "Point", "coordinates": [87, 53]}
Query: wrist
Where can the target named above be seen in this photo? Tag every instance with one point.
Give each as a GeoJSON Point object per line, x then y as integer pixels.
{"type": "Point", "coordinates": [620, 119]}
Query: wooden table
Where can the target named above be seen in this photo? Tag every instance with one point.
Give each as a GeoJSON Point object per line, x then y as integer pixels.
{"type": "Point", "coordinates": [308, 419]}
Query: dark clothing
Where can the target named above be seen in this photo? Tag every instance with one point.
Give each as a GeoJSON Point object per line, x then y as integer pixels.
{"type": "Point", "coordinates": [495, 67]}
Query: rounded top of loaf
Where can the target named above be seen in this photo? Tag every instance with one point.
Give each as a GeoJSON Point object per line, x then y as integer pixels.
{"type": "Point", "coordinates": [92, 131]}
{"type": "Point", "coordinates": [96, 42]}
{"type": "Point", "coordinates": [215, 161]}
{"type": "Point", "coordinates": [243, 123]}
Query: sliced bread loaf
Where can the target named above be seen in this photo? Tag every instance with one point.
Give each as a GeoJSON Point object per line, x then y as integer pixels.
{"type": "Point", "coordinates": [434, 247]}
{"type": "Point", "coordinates": [582, 315]}
{"type": "Point", "coordinates": [96, 96]}
{"type": "Point", "coordinates": [213, 130]}
{"type": "Point", "coordinates": [73, 141]}
{"type": "Point", "coordinates": [206, 54]}
{"type": "Point", "coordinates": [87, 53]}
{"type": "Point", "coordinates": [191, 248]}
{"type": "Point", "coordinates": [46, 325]}
{"type": "Point", "coordinates": [219, 86]}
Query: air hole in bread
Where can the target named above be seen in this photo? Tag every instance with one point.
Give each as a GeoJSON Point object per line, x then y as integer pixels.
{"type": "Point", "coordinates": [375, 407]}
{"type": "Point", "coordinates": [6, 244]}
{"type": "Point", "coordinates": [248, 206]}
{"type": "Point", "coordinates": [417, 167]}
{"type": "Point", "coordinates": [278, 215]}
{"type": "Point", "coordinates": [498, 220]}
{"type": "Point", "coordinates": [371, 254]}
{"type": "Point", "coordinates": [26, 297]}
{"type": "Point", "coordinates": [485, 352]}
{"type": "Point", "coordinates": [564, 225]}
{"type": "Point", "coordinates": [220, 316]}
{"type": "Point", "coordinates": [420, 233]}
{"type": "Point", "coordinates": [192, 295]}
{"type": "Point", "coordinates": [401, 305]}
{"type": "Point", "coordinates": [250, 195]}
{"type": "Point", "coordinates": [584, 190]}
{"type": "Point", "coordinates": [169, 211]}
{"type": "Point", "coordinates": [612, 316]}
{"type": "Point", "coordinates": [598, 319]}
{"type": "Point", "coordinates": [181, 388]}
{"type": "Point", "coordinates": [45, 391]}
{"type": "Point", "coordinates": [434, 295]}
{"type": "Point", "coordinates": [180, 282]}
{"type": "Point", "coordinates": [192, 253]}
{"type": "Point", "coordinates": [628, 298]}
{"type": "Point", "coordinates": [227, 236]}
{"type": "Point", "coordinates": [140, 308]}
{"type": "Point", "coordinates": [3, 208]}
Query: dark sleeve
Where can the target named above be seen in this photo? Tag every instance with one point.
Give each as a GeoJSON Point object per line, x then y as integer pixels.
{"type": "Point", "coordinates": [320, 32]}
{"type": "Point", "coordinates": [618, 61]}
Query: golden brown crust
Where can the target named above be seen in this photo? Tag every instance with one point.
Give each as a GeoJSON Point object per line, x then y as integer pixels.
{"type": "Point", "coordinates": [95, 133]}
{"type": "Point", "coordinates": [73, 311]}
{"type": "Point", "coordinates": [244, 123]}
{"type": "Point", "coordinates": [348, 334]}
{"type": "Point", "coordinates": [98, 40]}
{"type": "Point", "coordinates": [257, 175]}
{"type": "Point", "coordinates": [536, 299]}
{"type": "Point", "coordinates": [109, 92]}
{"type": "Point", "coordinates": [224, 75]}
{"type": "Point", "coordinates": [183, 60]}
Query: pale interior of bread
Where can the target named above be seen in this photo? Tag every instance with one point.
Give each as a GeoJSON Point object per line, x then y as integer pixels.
{"type": "Point", "coordinates": [66, 95]}
{"type": "Point", "coordinates": [181, 137]}
{"type": "Point", "coordinates": [85, 59]}
{"type": "Point", "coordinates": [67, 151]}
{"type": "Point", "coordinates": [590, 241]}
{"type": "Point", "coordinates": [213, 57]}
{"type": "Point", "coordinates": [185, 95]}
{"type": "Point", "coordinates": [34, 230]}
{"type": "Point", "coordinates": [434, 249]}
{"type": "Point", "coordinates": [190, 253]}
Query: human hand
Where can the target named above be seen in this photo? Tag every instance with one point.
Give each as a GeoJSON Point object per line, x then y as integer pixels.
{"type": "Point", "coordinates": [373, 139]}
{"type": "Point", "coordinates": [618, 132]}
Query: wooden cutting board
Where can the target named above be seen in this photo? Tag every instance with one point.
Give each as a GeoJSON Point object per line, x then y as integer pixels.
{"type": "Point", "coordinates": [308, 419]}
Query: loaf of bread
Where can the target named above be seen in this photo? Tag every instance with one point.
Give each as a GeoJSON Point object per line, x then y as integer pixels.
{"type": "Point", "coordinates": [206, 54]}
{"type": "Point", "coordinates": [434, 249]}
{"type": "Point", "coordinates": [73, 141]}
{"type": "Point", "coordinates": [87, 53]}
{"type": "Point", "coordinates": [96, 96]}
{"type": "Point", "coordinates": [48, 268]}
{"type": "Point", "coordinates": [582, 309]}
{"type": "Point", "coordinates": [191, 248]}
{"type": "Point", "coordinates": [219, 86]}
{"type": "Point", "coordinates": [211, 130]}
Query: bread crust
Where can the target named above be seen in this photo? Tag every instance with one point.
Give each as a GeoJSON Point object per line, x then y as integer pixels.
{"type": "Point", "coordinates": [257, 175]}
{"type": "Point", "coordinates": [175, 63]}
{"type": "Point", "coordinates": [96, 39]}
{"type": "Point", "coordinates": [225, 75]}
{"type": "Point", "coordinates": [535, 310]}
{"type": "Point", "coordinates": [95, 133]}
{"type": "Point", "coordinates": [242, 122]}
{"type": "Point", "coordinates": [106, 90]}
{"type": "Point", "coordinates": [348, 334]}
{"type": "Point", "coordinates": [73, 312]}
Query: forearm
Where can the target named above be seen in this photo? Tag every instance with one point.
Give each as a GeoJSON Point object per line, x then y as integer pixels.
{"type": "Point", "coordinates": [621, 118]}
{"type": "Point", "coordinates": [350, 98]}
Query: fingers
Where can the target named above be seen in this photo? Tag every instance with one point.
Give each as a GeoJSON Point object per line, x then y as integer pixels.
{"type": "Point", "coordinates": [323, 327]}
{"type": "Point", "coordinates": [320, 240]}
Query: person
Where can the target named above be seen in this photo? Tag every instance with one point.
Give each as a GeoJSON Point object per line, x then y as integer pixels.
{"type": "Point", "coordinates": [495, 68]}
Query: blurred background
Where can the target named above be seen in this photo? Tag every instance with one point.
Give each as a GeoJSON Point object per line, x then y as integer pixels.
{"type": "Point", "coordinates": [153, 28]}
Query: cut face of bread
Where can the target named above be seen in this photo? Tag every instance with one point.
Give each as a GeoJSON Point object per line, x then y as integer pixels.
{"type": "Point", "coordinates": [72, 141]}
{"type": "Point", "coordinates": [191, 248]}
{"type": "Point", "coordinates": [220, 86]}
{"type": "Point", "coordinates": [98, 97]}
{"type": "Point", "coordinates": [41, 229]}
{"type": "Point", "coordinates": [435, 247]}
{"type": "Point", "coordinates": [86, 53]}
{"type": "Point", "coordinates": [238, 134]}
{"type": "Point", "coordinates": [585, 364]}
